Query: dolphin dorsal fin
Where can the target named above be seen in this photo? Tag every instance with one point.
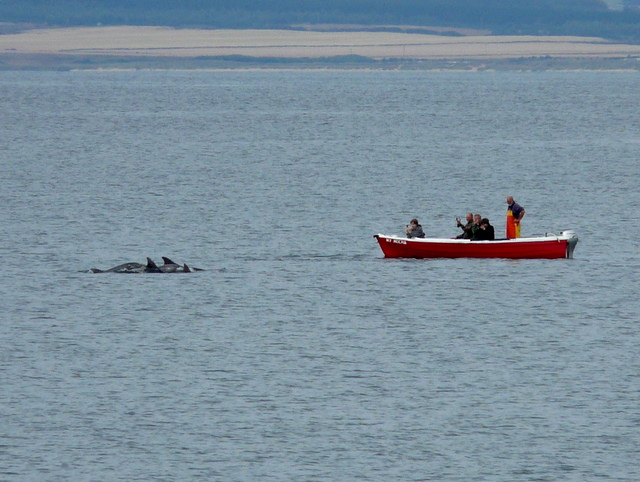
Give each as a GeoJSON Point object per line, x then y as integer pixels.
{"type": "Point", "coordinates": [186, 268]}
{"type": "Point", "coordinates": [168, 261]}
{"type": "Point", "coordinates": [152, 267]}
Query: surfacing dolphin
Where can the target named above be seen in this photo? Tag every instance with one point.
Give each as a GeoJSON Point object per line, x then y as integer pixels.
{"type": "Point", "coordinates": [151, 267]}
{"type": "Point", "coordinates": [170, 266]}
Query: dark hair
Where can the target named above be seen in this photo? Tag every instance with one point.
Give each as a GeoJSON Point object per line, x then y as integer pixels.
{"type": "Point", "coordinates": [485, 221]}
{"type": "Point", "coordinates": [414, 220]}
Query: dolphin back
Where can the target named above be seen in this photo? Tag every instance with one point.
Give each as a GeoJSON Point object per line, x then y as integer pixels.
{"type": "Point", "coordinates": [169, 266]}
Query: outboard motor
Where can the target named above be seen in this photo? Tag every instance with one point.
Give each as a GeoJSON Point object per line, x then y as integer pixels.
{"type": "Point", "coordinates": [571, 242]}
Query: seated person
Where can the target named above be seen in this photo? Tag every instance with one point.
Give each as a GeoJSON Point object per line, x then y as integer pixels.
{"type": "Point", "coordinates": [467, 229]}
{"type": "Point", "coordinates": [485, 231]}
{"type": "Point", "coordinates": [414, 230]}
{"type": "Point", "coordinates": [475, 225]}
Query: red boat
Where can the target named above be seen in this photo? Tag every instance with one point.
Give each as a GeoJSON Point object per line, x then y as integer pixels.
{"type": "Point", "coordinates": [549, 246]}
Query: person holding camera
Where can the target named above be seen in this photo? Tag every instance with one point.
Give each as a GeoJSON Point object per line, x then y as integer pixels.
{"type": "Point", "coordinates": [467, 229]}
{"type": "Point", "coordinates": [485, 231]}
{"type": "Point", "coordinates": [414, 229]}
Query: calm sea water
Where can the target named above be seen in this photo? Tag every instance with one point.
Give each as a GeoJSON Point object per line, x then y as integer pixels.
{"type": "Point", "coordinates": [302, 354]}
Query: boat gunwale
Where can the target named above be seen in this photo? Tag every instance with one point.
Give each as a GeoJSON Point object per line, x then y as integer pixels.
{"type": "Point", "coordinates": [432, 240]}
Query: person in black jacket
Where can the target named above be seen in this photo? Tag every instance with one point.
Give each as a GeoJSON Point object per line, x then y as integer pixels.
{"type": "Point", "coordinates": [485, 231]}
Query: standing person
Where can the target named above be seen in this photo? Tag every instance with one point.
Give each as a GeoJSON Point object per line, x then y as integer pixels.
{"type": "Point", "coordinates": [414, 229]}
{"type": "Point", "coordinates": [515, 213]}
{"type": "Point", "coordinates": [466, 228]}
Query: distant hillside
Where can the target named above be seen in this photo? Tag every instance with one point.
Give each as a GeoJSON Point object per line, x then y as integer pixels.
{"type": "Point", "coordinates": [502, 17]}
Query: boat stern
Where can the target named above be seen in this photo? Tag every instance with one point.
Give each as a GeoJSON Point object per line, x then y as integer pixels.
{"type": "Point", "coordinates": [572, 241]}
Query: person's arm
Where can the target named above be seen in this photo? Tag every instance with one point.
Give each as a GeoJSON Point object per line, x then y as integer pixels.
{"type": "Point", "coordinates": [520, 216]}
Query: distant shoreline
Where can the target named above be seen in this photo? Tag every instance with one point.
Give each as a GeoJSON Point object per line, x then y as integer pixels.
{"type": "Point", "coordinates": [163, 48]}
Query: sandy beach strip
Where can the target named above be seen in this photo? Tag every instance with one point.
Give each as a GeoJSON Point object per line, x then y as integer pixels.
{"type": "Point", "coordinates": [190, 43]}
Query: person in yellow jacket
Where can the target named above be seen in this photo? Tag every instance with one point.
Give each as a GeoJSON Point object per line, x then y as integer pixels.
{"type": "Point", "coordinates": [515, 213]}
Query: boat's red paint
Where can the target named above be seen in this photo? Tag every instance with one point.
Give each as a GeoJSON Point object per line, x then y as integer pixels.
{"type": "Point", "coordinates": [543, 247]}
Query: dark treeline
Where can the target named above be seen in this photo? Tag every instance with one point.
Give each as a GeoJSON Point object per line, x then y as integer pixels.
{"type": "Point", "coordinates": [502, 17]}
